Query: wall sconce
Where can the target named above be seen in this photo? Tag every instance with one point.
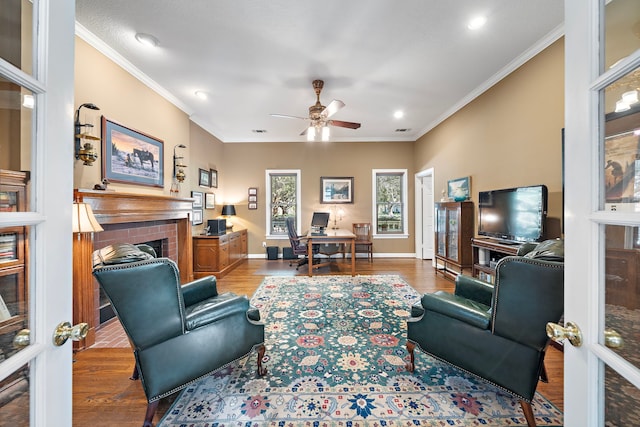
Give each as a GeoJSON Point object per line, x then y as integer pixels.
{"type": "Point", "coordinates": [85, 152]}
{"type": "Point", "coordinates": [178, 162]}
{"type": "Point", "coordinates": [228, 211]}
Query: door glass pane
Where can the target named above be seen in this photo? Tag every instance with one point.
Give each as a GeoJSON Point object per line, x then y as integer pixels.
{"type": "Point", "coordinates": [16, 33]}
{"type": "Point", "coordinates": [622, 289]}
{"type": "Point", "coordinates": [14, 399]}
{"type": "Point", "coordinates": [16, 121]}
{"type": "Point", "coordinates": [621, 148]}
{"type": "Point", "coordinates": [621, 30]}
{"type": "Point", "coordinates": [621, 399]}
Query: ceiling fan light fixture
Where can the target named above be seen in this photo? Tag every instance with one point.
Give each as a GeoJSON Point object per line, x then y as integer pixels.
{"type": "Point", "coordinates": [325, 133]}
{"type": "Point", "coordinates": [311, 133]}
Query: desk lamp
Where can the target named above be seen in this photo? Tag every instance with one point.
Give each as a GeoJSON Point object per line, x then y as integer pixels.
{"type": "Point", "coordinates": [228, 211]}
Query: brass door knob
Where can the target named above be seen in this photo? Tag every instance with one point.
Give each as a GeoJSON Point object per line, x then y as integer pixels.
{"type": "Point", "coordinates": [64, 331]}
{"type": "Point", "coordinates": [22, 338]}
{"type": "Point", "coordinates": [570, 332]}
{"type": "Point", "coordinates": [612, 339]}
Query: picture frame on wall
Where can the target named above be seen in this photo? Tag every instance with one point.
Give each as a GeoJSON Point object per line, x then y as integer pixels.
{"type": "Point", "coordinates": [209, 201]}
{"type": "Point", "coordinates": [253, 191]}
{"type": "Point", "coordinates": [253, 199]}
{"type": "Point", "coordinates": [336, 190]}
{"type": "Point", "coordinates": [204, 178]}
{"type": "Point", "coordinates": [130, 156]}
{"type": "Point", "coordinates": [253, 206]}
{"type": "Point", "coordinates": [459, 189]}
{"type": "Point", "coordinates": [214, 178]}
{"type": "Point", "coordinates": [196, 216]}
{"type": "Point", "coordinates": [197, 199]}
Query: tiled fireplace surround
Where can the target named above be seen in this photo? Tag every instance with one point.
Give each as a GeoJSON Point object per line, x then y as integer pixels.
{"type": "Point", "coordinates": [127, 218]}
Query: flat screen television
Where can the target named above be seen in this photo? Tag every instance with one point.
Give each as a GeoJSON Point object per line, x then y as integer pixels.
{"type": "Point", "coordinates": [513, 214]}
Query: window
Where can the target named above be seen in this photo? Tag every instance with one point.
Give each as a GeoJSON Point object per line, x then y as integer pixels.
{"type": "Point", "coordinates": [283, 199]}
{"type": "Point", "coordinates": [390, 202]}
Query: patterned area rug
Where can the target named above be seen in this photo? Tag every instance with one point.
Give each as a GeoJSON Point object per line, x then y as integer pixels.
{"type": "Point", "coordinates": [336, 357]}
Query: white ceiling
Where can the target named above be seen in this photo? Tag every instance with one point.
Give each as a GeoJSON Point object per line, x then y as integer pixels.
{"type": "Point", "coordinates": [257, 57]}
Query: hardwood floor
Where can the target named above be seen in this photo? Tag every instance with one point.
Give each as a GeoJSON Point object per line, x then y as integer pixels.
{"type": "Point", "coordinates": [104, 396]}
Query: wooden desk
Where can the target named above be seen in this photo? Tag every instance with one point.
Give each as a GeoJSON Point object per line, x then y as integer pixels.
{"type": "Point", "coordinates": [338, 236]}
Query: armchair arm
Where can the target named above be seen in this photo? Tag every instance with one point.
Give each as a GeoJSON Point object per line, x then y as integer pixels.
{"type": "Point", "coordinates": [474, 289]}
{"type": "Point", "coordinates": [199, 290]}
{"type": "Point", "coordinates": [463, 309]}
{"type": "Point", "coordinates": [213, 309]}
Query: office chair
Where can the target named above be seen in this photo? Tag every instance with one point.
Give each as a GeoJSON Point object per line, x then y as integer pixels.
{"type": "Point", "coordinates": [298, 244]}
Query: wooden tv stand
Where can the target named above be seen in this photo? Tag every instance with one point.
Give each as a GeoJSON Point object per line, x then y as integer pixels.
{"type": "Point", "coordinates": [493, 251]}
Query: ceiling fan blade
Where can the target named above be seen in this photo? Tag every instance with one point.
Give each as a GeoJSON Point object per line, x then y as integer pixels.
{"type": "Point", "coordinates": [288, 117]}
{"type": "Point", "coordinates": [340, 123]}
{"type": "Point", "coordinates": [332, 108]}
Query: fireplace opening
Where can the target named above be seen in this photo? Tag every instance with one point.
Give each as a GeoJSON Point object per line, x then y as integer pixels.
{"type": "Point", "coordinates": [161, 247]}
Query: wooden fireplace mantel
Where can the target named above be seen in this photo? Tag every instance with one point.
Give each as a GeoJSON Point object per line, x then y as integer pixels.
{"type": "Point", "coordinates": [110, 207]}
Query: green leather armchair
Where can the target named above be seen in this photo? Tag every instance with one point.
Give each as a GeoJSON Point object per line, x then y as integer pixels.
{"type": "Point", "coordinates": [178, 333]}
{"type": "Point", "coordinates": [496, 332]}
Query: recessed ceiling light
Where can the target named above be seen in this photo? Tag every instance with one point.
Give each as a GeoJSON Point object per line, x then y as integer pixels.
{"type": "Point", "coordinates": [259, 131]}
{"type": "Point", "coordinates": [398, 114]}
{"type": "Point", "coordinates": [403, 130]}
{"type": "Point", "coordinates": [201, 94]}
{"type": "Point", "coordinates": [147, 39]}
{"type": "Point", "coordinates": [477, 22]}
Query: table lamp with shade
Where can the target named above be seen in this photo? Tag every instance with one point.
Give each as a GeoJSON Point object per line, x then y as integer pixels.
{"type": "Point", "coordinates": [228, 211]}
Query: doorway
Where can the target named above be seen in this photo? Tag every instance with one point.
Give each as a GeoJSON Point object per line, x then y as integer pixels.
{"type": "Point", "coordinates": [424, 203]}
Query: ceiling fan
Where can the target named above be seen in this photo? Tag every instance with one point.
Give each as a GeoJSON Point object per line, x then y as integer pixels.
{"type": "Point", "coordinates": [319, 116]}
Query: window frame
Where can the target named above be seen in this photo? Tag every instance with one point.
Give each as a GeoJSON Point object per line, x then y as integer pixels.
{"type": "Point", "coordinates": [269, 173]}
{"type": "Point", "coordinates": [403, 233]}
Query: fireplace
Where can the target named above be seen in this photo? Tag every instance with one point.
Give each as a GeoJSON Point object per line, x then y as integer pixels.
{"type": "Point", "coordinates": [127, 218]}
{"type": "Point", "coordinates": [160, 247]}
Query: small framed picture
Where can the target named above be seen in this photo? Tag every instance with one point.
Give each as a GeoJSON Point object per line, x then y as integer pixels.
{"type": "Point", "coordinates": [253, 199]}
{"type": "Point", "coordinates": [197, 199]}
{"type": "Point", "coordinates": [253, 191]}
{"type": "Point", "coordinates": [209, 201]}
{"type": "Point", "coordinates": [253, 206]}
{"type": "Point", "coordinates": [204, 178]}
{"type": "Point", "coordinates": [458, 189]}
{"type": "Point", "coordinates": [196, 217]}
{"type": "Point", "coordinates": [214, 178]}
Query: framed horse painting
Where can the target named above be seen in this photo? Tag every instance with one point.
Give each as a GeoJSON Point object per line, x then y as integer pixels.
{"type": "Point", "coordinates": [130, 156]}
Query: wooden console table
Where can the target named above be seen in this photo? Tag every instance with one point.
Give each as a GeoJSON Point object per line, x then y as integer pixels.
{"type": "Point", "coordinates": [493, 250]}
{"type": "Point", "coordinates": [218, 255]}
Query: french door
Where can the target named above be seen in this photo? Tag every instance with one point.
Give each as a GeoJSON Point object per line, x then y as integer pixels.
{"type": "Point", "coordinates": [36, 181]}
{"type": "Point", "coordinates": [602, 212]}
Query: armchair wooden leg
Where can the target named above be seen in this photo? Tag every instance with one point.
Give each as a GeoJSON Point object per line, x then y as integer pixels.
{"type": "Point", "coordinates": [152, 407]}
{"type": "Point", "coordinates": [411, 364]}
{"type": "Point", "coordinates": [135, 374]}
{"type": "Point", "coordinates": [528, 413]}
{"type": "Point", "coordinates": [261, 369]}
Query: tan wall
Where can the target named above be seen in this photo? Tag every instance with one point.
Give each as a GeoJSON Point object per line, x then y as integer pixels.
{"type": "Point", "coordinates": [245, 166]}
{"type": "Point", "coordinates": [509, 136]}
{"type": "Point", "coordinates": [125, 100]}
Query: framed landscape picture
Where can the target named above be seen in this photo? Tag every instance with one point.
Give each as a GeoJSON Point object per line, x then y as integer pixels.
{"type": "Point", "coordinates": [214, 178]}
{"type": "Point", "coordinates": [459, 189]}
{"type": "Point", "coordinates": [336, 190]}
{"type": "Point", "coordinates": [130, 156]}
